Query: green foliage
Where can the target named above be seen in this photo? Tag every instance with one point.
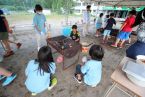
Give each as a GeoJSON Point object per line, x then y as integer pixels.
{"type": "Point", "coordinates": [65, 4]}
{"type": "Point", "coordinates": [54, 5]}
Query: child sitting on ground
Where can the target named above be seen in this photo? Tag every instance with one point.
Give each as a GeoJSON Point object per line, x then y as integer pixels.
{"type": "Point", "coordinates": [40, 72]}
{"type": "Point", "coordinates": [6, 76]}
{"type": "Point", "coordinates": [75, 34]}
{"type": "Point", "coordinates": [108, 28]}
{"type": "Point", "coordinates": [91, 71]}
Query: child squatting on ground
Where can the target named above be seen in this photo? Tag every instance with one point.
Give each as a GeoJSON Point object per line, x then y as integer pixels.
{"type": "Point", "coordinates": [75, 34]}
{"type": "Point", "coordinates": [91, 70]}
{"type": "Point", "coordinates": [109, 24]}
{"type": "Point", "coordinates": [40, 72]}
{"type": "Point", "coordinates": [126, 30]}
{"type": "Point", "coordinates": [39, 22]}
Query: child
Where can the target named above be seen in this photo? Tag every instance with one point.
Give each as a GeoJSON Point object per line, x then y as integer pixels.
{"type": "Point", "coordinates": [99, 23]}
{"type": "Point", "coordinates": [6, 77]}
{"type": "Point", "coordinates": [4, 29]}
{"type": "Point", "coordinates": [126, 29]}
{"type": "Point", "coordinates": [108, 27]}
{"type": "Point", "coordinates": [138, 48]}
{"type": "Point", "coordinates": [39, 72]}
{"type": "Point", "coordinates": [75, 34]}
{"type": "Point", "coordinates": [105, 21]}
{"type": "Point", "coordinates": [91, 71]}
{"type": "Point", "coordinates": [39, 21]}
{"type": "Point", "coordinates": [86, 20]}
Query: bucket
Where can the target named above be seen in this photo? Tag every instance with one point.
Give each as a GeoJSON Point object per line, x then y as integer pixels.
{"type": "Point", "coordinates": [66, 31]}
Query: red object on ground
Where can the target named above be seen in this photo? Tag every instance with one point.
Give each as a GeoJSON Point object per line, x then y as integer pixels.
{"type": "Point", "coordinates": [59, 59]}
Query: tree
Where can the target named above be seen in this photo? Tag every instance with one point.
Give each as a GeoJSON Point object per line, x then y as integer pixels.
{"type": "Point", "coordinates": [54, 5]}
{"type": "Point", "coordinates": [65, 4]}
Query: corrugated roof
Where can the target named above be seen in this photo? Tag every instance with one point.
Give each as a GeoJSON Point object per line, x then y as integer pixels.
{"type": "Point", "coordinates": [129, 3]}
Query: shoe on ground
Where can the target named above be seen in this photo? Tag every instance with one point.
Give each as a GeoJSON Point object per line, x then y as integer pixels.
{"type": "Point", "coordinates": [2, 77]}
{"type": "Point", "coordinates": [79, 81]}
{"type": "Point", "coordinates": [53, 83]}
{"type": "Point", "coordinates": [34, 94]}
{"type": "Point", "coordinates": [8, 54]}
{"type": "Point", "coordinates": [93, 86]}
{"type": "Point", "coordinates": [113, 45]}
{"type": "Point", "coordinates": [9, 79]}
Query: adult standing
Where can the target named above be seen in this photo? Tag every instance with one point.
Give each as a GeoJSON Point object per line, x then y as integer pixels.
{"type": "Point", "coordinates": [138, 48]}
{"type": "Point", "coordinates": [86, 20]}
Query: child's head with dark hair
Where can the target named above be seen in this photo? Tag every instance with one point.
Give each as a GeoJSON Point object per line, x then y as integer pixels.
{"type": "Point", "coordinates": [139, 18]}
{"type": "Point", "coordinates": [88, 7]}
{"type": "Point", "coordinates": [96, 52]}
{"type": "Point", "coordinates": [74, 28]}
{"type": "Point", "coordinates": [38, 7]}
{"type": "Point", "coordinates": [132, 12]}
{"type": "Point", "coordinates": [45, 58]}
{"type": "Point", "coordinates": [112, 15]}
{"type": "Point", "coordinates": [107, 16]}
{"type": "Point", "coordinates": [101, 14]}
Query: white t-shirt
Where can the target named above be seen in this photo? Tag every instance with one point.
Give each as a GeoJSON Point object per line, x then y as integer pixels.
{"type": "Point", "coordinates": [86, 17]}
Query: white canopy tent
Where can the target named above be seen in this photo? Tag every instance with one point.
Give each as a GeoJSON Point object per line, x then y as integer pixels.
{"type": "Point", "coordinates": [128, 3]}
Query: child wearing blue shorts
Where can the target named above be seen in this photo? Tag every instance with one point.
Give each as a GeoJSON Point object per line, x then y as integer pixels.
{"type": "Point", "coordinates": [108, 27]}
{"type": "Point", "coordinates": [99, 23]}
{"type": "Point", "coordinates": [126, 30]}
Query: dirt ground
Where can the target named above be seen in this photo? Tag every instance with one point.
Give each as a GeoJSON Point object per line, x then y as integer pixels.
{"type": "Point", "coordinates": [67, 86]}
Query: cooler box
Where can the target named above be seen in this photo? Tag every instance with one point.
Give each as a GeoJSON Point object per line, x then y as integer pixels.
{"type": "Point", "coordinates": [66, 31]}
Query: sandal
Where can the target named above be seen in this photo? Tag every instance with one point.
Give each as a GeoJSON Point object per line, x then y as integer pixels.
{"type": "Point", "coordinates": [8, 54]}
{"type": "Point", "coordinates": [120, 46]}
{"type": "Point", "coordinates": [113, 45]}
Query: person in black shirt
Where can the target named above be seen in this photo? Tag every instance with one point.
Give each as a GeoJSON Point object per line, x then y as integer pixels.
{"type": "Point", "coordinates": [110, 22]}
{"type": "Point", "coordinates": [4, 29]}
{"type": "Point", "coordinates": [75, 34]}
